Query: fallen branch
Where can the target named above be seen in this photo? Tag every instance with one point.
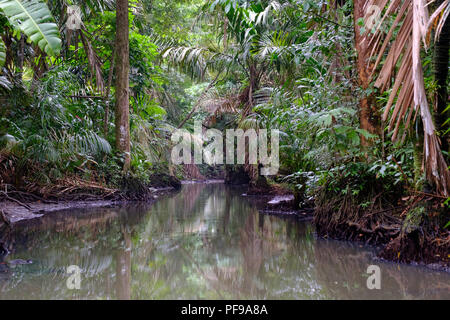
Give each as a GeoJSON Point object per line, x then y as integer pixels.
{"type": "Point", "coordinates": [31, 195]}
{"type": "Point", "coordinates": [15, 200]}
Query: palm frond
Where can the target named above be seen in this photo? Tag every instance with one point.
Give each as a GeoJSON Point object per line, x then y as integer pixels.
{"type": "Point", "coordinates": [408, 97]}
{"type": "Point", "coordinates": [191, 59]}
{"type": "Point", "coordinates": [88, 143]}
{"type": "Point", "coordinates": [94, 62]}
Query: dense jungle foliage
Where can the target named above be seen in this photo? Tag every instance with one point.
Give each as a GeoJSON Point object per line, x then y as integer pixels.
{"type": "Point", "coordinates": [360, 98]}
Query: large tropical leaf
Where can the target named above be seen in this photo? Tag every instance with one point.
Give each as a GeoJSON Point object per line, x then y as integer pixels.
{"type": "Point", "coordinates": [33, 18]}
{"type": "Point", "coordinates": [2, 53]}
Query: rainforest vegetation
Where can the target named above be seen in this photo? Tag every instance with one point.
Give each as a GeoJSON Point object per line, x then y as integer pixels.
{"type": "Point", "coordinates": [358, 90]}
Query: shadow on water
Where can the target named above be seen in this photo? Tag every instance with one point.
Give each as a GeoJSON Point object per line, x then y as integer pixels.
{"type": "Point", "coordinates": [206, 242]}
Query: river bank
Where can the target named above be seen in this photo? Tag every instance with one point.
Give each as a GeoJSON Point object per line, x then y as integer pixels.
{"type": "Point", "coordinates": [15, 212]}
{"type": "Point", "coordinates": [203, 242]}
{"type": "Point", "coordinates": [278, 202]}
{"type": "Point", "coordinates": [404, 229]}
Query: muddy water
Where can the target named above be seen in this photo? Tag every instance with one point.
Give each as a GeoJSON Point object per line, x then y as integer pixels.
{"type": "Point", "coordinates": [206, 242]}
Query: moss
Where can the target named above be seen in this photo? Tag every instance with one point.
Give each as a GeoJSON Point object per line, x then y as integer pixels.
{"type": "Point", "coordinates": [414, 219]}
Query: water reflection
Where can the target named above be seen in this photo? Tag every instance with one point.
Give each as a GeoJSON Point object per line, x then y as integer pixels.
{"type": "Point", "coordinates": [206, 242]}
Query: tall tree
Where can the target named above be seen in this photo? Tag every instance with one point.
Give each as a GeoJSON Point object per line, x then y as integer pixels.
{"type": "Point", "coordinates": [122, 82]}
{"type": "Point", "coordinates": [368, 113]}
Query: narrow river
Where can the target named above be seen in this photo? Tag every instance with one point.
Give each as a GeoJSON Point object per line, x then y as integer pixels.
{"type": "Point", "coordinates": [206, 242]}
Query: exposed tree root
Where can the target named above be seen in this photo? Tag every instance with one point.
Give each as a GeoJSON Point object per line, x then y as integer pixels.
{"type": "Point", "coordinates": [192, 172]}
{"type": "Point", "coordinates": [341, 218]}
{"type": "Point", "coordinates": [22, 187]}
{"type": "Point", "coordinates": [5, 194]}
{"type": "Point", "coordinates": [410, 229]}
{"type": "Point", "coordinates": [420, 247]}
{"type": "Point", "coordinates": [422, 238]}
{"type": "Point", "coordinates": [69, 189]}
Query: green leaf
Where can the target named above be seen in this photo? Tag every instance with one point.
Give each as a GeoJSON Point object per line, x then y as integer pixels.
{"type": "Point", "coordinates": [325, 120]}
{"type": "Point", "coordinates": [354, 137]}
{"type": "Point", "coordinates": [33, 18]}
{"type": "Point", "coordinates": [366, 134]}
{"type": "Point", "coordinates": [2, 53]}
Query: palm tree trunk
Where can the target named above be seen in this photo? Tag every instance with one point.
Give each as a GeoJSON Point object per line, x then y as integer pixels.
{"type": "Point", "coordinates": [441, 59]}
{"type": "Point", "coordinates": [122, 112]}
{"type": "Point", "coordinates": [369, 117]}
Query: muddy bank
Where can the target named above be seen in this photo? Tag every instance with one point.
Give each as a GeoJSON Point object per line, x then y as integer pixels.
{"type": "Point", "coordinates": [34, 193]}
{"type": "Point", "coordinates": [268, 197]}
{"type": "Point", "coordinates": [397, 242]}
{"type": "Point", "coordinates": [276, 202]}
{"type": "Point", "coordinates": [407, 226]}
{"type": "Point", "coordinates": [205, 181]}
{"type": "Point", "coordinates": [14, 212]}
{"type": "Point", "coordinates": [45, 216]}
{"type": "Point", "coordinates": [405, 229]}
{"type": "Point", "coordinates": [278, 205]}
{"type": "Point", "coordinates": [24, 201]}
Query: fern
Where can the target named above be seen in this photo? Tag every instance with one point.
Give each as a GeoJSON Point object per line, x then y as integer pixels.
{"type": "Point", "coordinates": [89, 143]}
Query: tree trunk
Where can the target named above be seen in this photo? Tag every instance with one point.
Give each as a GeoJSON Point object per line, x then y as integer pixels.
{"type": "Point", "coordinates": [108, 90]}
{"type": "Point", "coordinates": [9, 53]}
{"type": "Point", "coordinates": [369, 117]}
{"type": "Point", "coordinates": [20, 56]}
{"type": "Point", "coordinates": [441, 59]}
{"type": "Point", "coordinates": [122, 112]}
{"type": "Point", "coordinates": [225, 34]}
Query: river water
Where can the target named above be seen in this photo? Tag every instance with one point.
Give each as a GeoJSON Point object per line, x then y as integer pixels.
{"type": "Point", "coordinates": [205, 242]}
